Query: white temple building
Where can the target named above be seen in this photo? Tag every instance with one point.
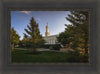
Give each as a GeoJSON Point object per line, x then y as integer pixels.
{"type": "Point", "coordinates": [50, 39]}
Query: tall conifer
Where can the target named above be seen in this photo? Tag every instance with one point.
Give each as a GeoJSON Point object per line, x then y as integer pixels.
{"type": "Point", "coordinates": [33, 32]}
{"type": "Point", "coordinates": [80, 19]}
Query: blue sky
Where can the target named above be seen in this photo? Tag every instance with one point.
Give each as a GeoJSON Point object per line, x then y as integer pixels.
{"type": "Point", "coordinates": [55, 19]}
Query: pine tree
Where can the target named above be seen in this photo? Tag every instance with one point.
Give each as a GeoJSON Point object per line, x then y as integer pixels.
{"type": "Point", "coordinates": [80, 19]}
{"type": "Point", "coordinates": [33, 32]}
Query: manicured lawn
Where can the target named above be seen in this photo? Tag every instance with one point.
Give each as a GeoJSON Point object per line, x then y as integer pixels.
{"type": "Point", "coordinates": [45, 56]}
{"type": "Point", "coordinates": [21, 56]}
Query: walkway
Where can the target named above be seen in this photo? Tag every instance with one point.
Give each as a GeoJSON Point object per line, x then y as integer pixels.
{"type": "Point", "coordinates": [43, 49]}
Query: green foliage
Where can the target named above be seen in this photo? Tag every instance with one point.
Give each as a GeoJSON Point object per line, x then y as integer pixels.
{"type": "Point", "coordinates": [77, 34]}
{"type": "Point", "coordinates": [33, 38]}
{"type": "Point", "coordinates": [20, 44]}
{"type": "Point", "coordinates": [80, 19]}
{"type": "Point", "coordinates": [63, 37]}
{"type": "Point", "coordinates": [56, 47]}
{"type": "Point", "coordinates": [26, 42]}
{"type": "Point", "coordinates": [15, 38]}
{"type": "Point", "coordinates": [76, 57]}
{"type": "Point", "coordinates": [67, 36]}
{"type": "Point", "coordinates": [40, 44]}
{"type": "Point", "coordinates": [53, 46]}
{"type": "Point", "coordinates": [47, 46]}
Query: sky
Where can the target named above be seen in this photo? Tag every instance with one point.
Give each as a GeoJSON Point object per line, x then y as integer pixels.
{"type": "Point", "coordinates": [56, 21]}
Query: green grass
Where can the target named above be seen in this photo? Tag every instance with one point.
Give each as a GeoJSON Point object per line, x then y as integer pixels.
{"type": "Point", "coordinates": [20, 56]}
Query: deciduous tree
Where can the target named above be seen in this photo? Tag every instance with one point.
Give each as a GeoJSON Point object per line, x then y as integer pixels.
{"type": "Point", "coordinates": [15, 38]}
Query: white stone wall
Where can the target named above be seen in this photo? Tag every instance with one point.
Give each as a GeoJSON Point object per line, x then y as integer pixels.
{"type": "Point", "coordinates": [51, 39]}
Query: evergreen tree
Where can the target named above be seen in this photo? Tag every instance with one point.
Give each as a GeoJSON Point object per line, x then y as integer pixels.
{"type": "Point", "coordinates": [34, 33]}
{"type": "Point", "coordinates": [80, 19]}
{"type": "Point", "coordinates": [66, 37]}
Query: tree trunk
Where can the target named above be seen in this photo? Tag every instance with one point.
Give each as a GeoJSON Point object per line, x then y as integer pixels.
{"type": "Point", "coordinates": [86, 44]}
{"type": "Point", "coordinates": [34, 49]}
{"type": "Point", "coordinates": [12, 47]}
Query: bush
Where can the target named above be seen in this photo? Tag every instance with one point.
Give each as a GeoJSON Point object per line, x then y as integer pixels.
{"type": "Point", "coordinates": [53, 46]}
{"type": "Point", "coordinates": [76, 57]}
{"type": "Point", "coordinates": [56, 47]}
{"type": "Point", "coordinates": [84, 58]}
{"type": "Point", "coordinates": [73, 56]}
{"type": "Point", "coordinates": [47, 46]}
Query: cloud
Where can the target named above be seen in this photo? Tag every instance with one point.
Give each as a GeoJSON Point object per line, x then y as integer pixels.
{"type": "Point", "coordinates": [38, 19]}
{"type": "Point", "coordinates": [26, 12]}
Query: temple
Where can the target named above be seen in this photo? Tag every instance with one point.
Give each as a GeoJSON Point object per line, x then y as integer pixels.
{"type": "Point", "coordinates": [50, 39]}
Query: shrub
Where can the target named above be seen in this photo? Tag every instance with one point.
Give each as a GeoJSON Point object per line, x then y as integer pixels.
{"type": "Point", "coordinates": [73, 56]}
{"type": "Point", "coordinates": [84, 58]}
{"type": "Point", "coordinates": [76, 57]}
{"type": "Point", "coordinates": [56, 47]}
{"type": "Point", "coordinates": [53, 46]}
{"type": "Point", "coordinates": [47, 46]}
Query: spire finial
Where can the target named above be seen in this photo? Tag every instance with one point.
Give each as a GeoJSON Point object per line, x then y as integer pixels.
{"type": "Point", "coordinates": [47, 23]}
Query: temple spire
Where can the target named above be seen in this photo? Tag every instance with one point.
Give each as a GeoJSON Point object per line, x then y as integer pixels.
{"type": "Point", "coordinates": [47, 30]}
